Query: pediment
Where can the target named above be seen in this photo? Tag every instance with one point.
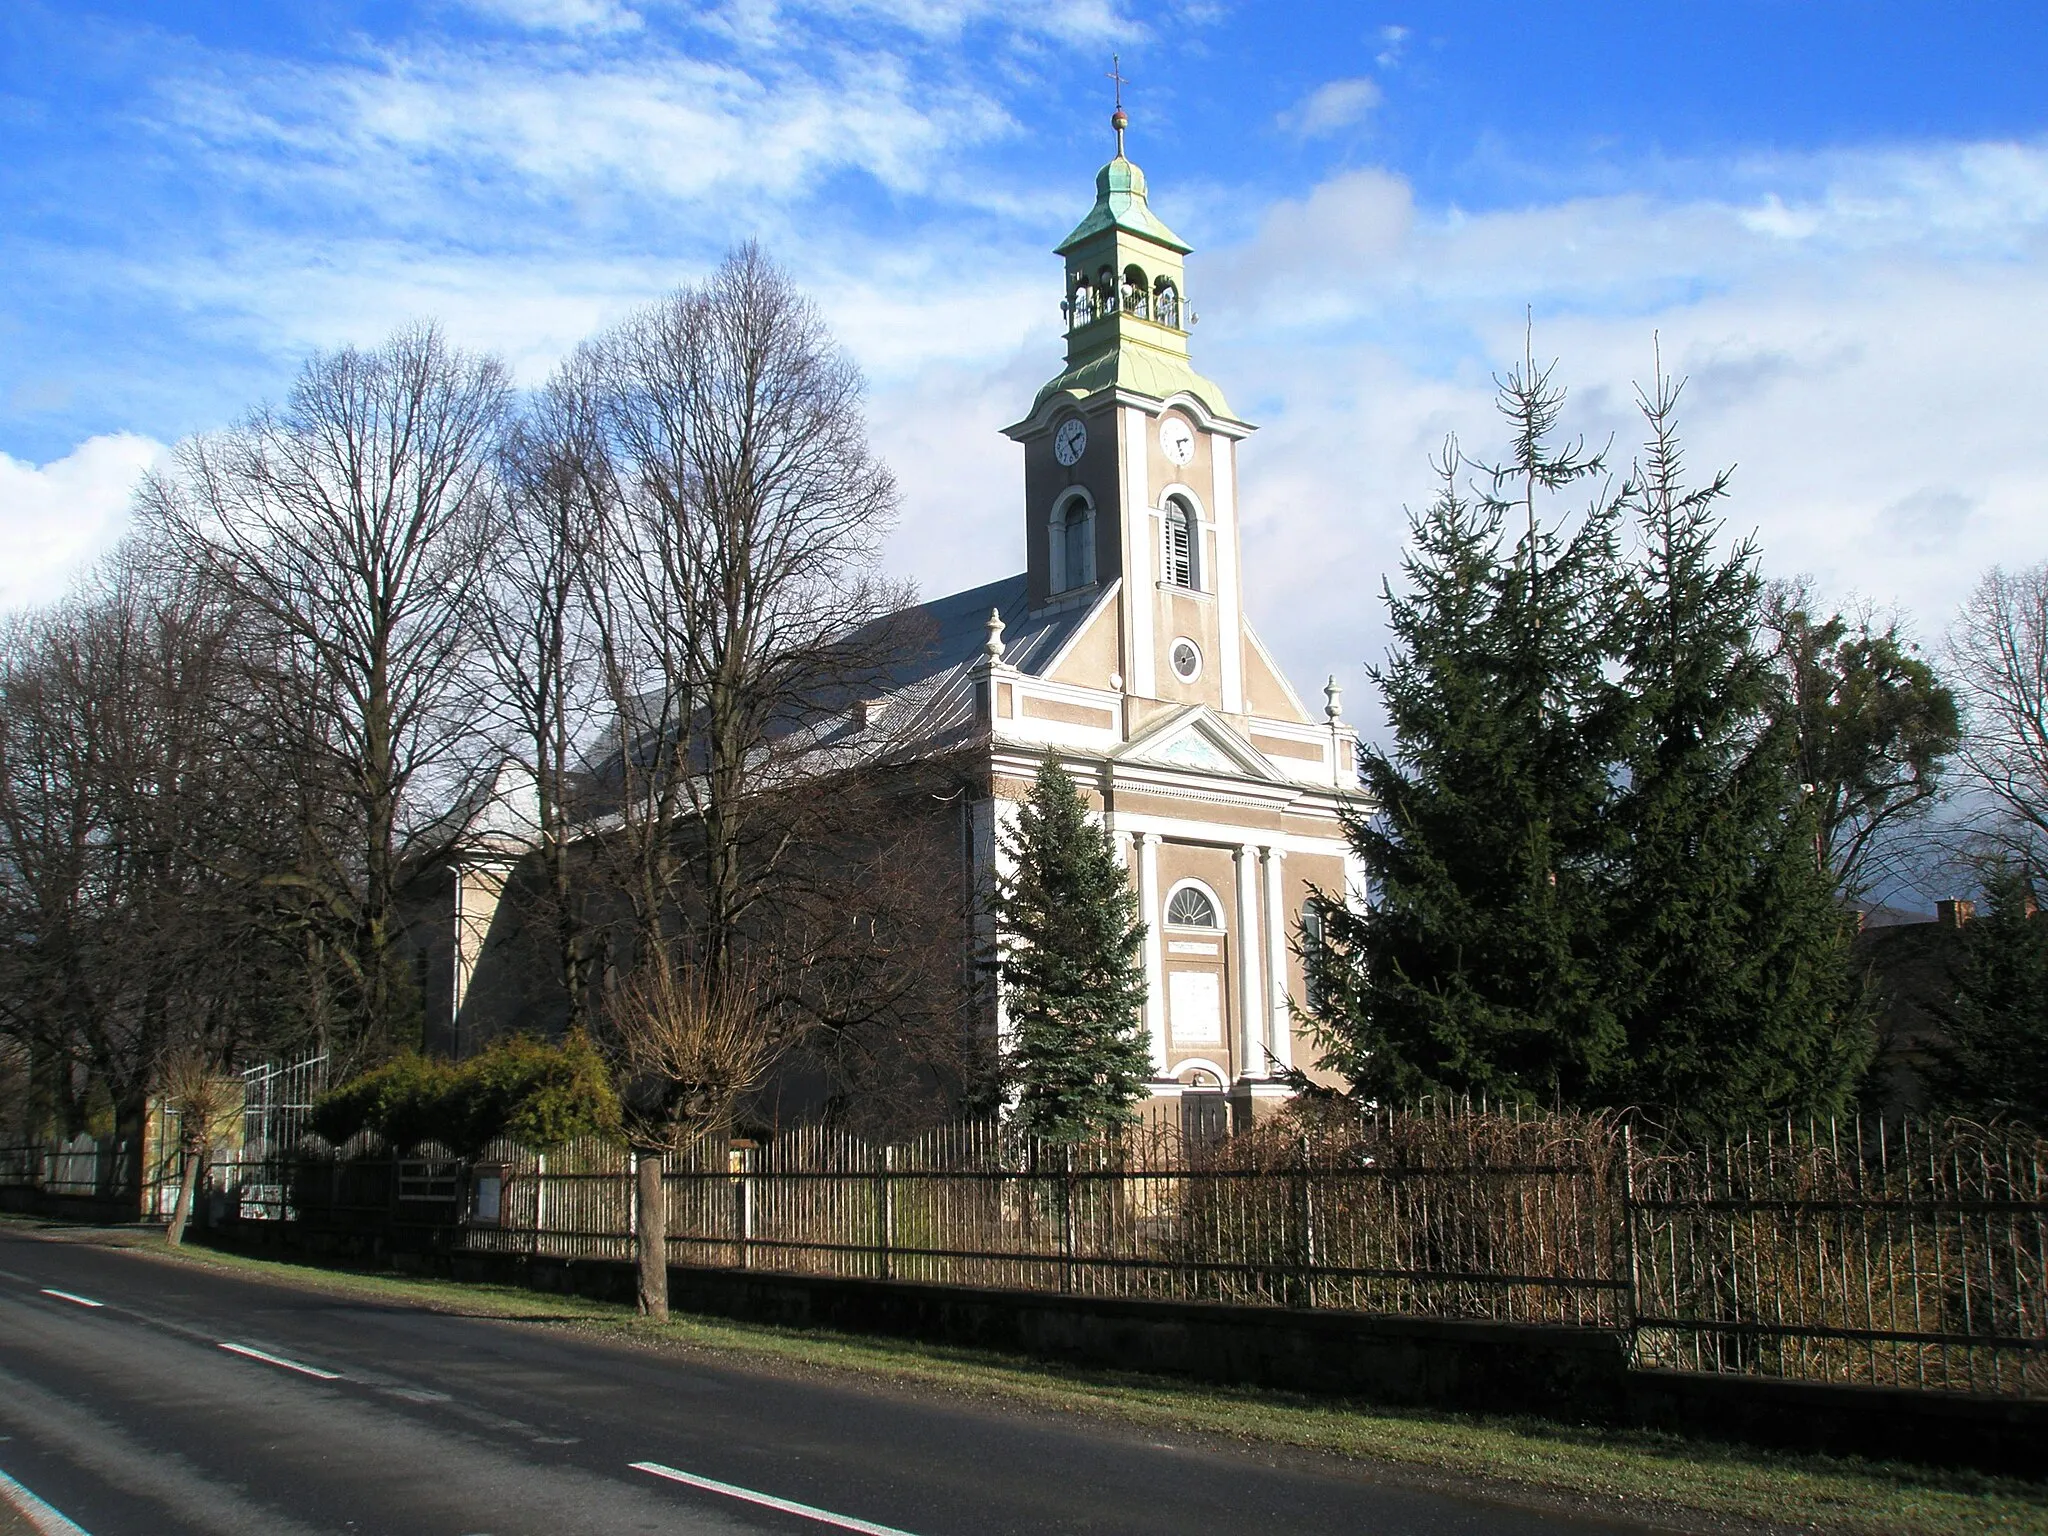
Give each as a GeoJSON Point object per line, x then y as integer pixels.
{"type": "Point", "coordinates": [1197, 739]}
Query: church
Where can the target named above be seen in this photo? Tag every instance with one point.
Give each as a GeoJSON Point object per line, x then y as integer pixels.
{"type": "Point", "coordinates": [1122, 648]}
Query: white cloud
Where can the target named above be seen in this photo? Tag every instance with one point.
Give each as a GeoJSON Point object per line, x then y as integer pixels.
{"type": "Point", "coordinates": [56, 518]}
{"type": "Point", "coordinates": [1332, 106]}
{"type": "Point", "coordinates": [1864, 352]}
{"type": "Point", "coordinates": [407, 137]}
{"type": "Point", "coordinates": [561, 15]}
{"type": "Point", "coordinates": [1393, 43]}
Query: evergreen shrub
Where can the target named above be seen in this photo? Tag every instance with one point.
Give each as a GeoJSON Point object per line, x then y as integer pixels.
{"type": "Point", "coordinates": [538, 1094]}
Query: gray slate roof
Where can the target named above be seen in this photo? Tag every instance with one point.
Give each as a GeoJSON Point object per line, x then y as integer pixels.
{"type": "Point", "coordinates": [935, 682]}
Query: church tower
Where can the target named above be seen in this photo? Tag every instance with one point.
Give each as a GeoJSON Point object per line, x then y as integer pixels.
{"type": "Point", "coordinates": [1130, 462]}
{"type": "Point", "coordinates": [1124, 649]}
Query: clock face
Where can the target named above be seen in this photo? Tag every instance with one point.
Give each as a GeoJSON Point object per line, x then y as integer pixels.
{"type": "Point", "coordinates": [1071, 441]}
{"type": "Point", "coordinates": [1177, 439]}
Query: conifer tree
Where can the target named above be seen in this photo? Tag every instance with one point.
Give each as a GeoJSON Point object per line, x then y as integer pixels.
{"type": "Point", "coordinates": [1474, 965]}
{"type": "Point", "coordinates": [1728, 955]}
{"type": "Point", "coordinates": [1995, 1059]}
{"type": "Point", "coordinates": [1071, 967]}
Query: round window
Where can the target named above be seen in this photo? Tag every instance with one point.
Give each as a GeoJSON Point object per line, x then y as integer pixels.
{"type": "Point", "coordinates": [1186, 658]}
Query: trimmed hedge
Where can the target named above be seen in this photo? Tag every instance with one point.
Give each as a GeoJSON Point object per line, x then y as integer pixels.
{"type": "Point", "coordinates": [537, 1094]}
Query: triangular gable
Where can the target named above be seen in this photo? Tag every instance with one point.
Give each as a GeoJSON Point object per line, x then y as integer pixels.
{"type": "Point", "coordinates": [1261, 659]}
{"type": "Point", "coordinates": [1105, 601]}
{"type": "Point", "coordinates": [1196, 738]}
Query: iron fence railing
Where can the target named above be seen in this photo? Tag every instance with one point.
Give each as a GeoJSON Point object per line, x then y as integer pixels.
{"type": "Point", "coordinates": [1856, 1252]}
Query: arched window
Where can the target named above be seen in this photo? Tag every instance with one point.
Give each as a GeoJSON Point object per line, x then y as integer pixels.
{"type": "Point", "coordinates": [1080, 300]}
{"type": "Point", "coordinates": [1073, 544]}
{"type": "Point", "coordinates": [1105, 291]}
{"type": "Point", "coordinates": [1166, 303]}
{"type": "Point", "coordinates": [1191, 907]}
{"type": "Point", "coordinates": [1183, 552]}
{"type": "Point", "coordinates": [1135, 296]}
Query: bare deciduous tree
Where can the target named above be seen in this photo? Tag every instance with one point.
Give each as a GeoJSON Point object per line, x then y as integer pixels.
{"type": "Point", "coordinates": [684, 1047]}
{"type": "Point", "coordinates": [193, 1087]}
{"type": "Point", "coordinates": [1998, 661]}
{"type": "Point", "coordinates": [346, 520]}
{"type": "Point", "coordinates": [535, 625]}
{"type": "Point", "coordinates": [125, 795]}
{"type": "Point", "coordinates": [727, 584]}
{"type": "Point", "coordinates": [741, 636]}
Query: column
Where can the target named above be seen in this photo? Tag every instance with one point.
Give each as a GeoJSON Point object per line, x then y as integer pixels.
{"type": "Point", "coordinates": [1280, 1037]}
{"type": "Point", "coordinates": [1251, 999]}
{"type": "Point", "coordinates": [1155, 955]}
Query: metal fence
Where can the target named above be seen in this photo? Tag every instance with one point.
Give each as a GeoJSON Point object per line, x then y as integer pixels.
{"type": "Point", "coordinates": [1848, 1252]}
{"type": "Point", "coordinates": [1913, 1256]}
{"type": "Point", "coordinates": [1896, 1255]}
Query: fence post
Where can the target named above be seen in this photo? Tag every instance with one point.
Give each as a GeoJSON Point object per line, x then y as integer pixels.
{"type": "Point", "coordinates": [746, 1194]}
{"type": "Point", "coordinates": [1067, 1217]}
{"type": "Point", "coordinates": [1628, 1234]}
{"type": "Point", "coordinates": [540, 1201]}
{"type": "Point", "coordinates": [885, 1214]}
{"type": "Point", "coordinates": [1304, 1257]}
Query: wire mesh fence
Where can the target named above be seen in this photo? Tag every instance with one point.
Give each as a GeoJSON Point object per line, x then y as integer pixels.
{"type": "Point", "coordinates": [1911, 1256]}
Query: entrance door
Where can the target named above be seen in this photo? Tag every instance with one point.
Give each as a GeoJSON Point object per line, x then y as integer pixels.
{"type": "Point", "coordinates": [1204, 1116]}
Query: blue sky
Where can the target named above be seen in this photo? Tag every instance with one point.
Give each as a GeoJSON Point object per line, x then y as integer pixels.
{"type": "Point", "coordinates": [1834, 217]}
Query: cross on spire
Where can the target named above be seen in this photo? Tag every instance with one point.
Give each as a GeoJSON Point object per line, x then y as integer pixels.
{"type": "Point", "coordinates": [1117, 120]}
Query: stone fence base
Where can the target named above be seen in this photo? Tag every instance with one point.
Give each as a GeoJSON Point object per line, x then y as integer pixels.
{"type": "Point", "coordinates": [1573, 1375]}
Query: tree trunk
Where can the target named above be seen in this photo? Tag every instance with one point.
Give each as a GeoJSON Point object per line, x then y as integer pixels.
{"type": "Point", "coordinates": [650, 1235]}
{"type": "Point", "coordinates": [195, 1163]}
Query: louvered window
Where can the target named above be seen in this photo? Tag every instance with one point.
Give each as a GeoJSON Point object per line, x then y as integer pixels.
{"type": "Point", "coordinates": [1078, 538]}
{"type": "Point", "coordinates": [1182, 543]}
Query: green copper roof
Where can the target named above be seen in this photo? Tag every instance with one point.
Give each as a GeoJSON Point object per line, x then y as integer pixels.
{"type": "Point", "coordinates": [1143, 370]}
{"type": "Point", "coordinates": [1120, 204]}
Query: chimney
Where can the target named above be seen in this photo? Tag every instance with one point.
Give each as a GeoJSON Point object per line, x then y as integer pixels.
{"type": "Point", "coordinates": [1954, 912]}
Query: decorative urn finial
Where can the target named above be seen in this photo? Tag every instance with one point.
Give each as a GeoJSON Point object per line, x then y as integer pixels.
{"type": "Point", "coordinates": [1333, 697]}
{"type": "Point", "coordinates": [993, 649]}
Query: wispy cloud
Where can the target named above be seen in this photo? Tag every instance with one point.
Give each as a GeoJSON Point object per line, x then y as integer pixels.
{"type": "Point", "coordinates": [1332, 107]}
{"type": "Point", "coordinates": [560, 15]}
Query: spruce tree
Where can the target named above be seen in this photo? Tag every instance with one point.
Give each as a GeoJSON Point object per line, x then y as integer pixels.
{"type": "Point", "coordinates": [1473, 967]}
{"type": "Point", "coordinates": [1073, 976]}
{"type": "Point", "coordinates": [1728, 954]}
{"type": "Point", "coordinates": [1995, 1059]}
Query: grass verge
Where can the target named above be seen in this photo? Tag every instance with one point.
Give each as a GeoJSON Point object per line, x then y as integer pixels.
{"type": "Point", "coordinates": [1663, 1479]}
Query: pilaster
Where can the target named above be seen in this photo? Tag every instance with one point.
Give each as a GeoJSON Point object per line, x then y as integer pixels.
{"type": "Point", "coordinates": [1155, 957]}
{"type": "Point", "coordinates": [1251, 1003]}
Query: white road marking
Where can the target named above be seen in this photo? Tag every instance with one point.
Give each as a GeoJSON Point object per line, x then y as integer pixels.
{"type": "Point", "coordinates": [767, 1500]}
{"type": "Point", "coordinates": [83, 1301]}
{"type": "Point", "coordinates": [279, 1360]}
{"type": "Point", "coordinates": [47, 1521]}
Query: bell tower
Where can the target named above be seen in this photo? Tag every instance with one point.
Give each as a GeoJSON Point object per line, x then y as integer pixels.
{"type": "Point", "coordinates": [1130, 469]}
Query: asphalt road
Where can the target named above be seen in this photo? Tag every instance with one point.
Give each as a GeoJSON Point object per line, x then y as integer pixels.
{"type": "Point", "coordinates": [139, 1398]}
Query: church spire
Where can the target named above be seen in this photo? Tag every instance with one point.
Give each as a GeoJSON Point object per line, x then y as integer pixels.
{"type": "Point", "coordinates": [1117, 120]}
